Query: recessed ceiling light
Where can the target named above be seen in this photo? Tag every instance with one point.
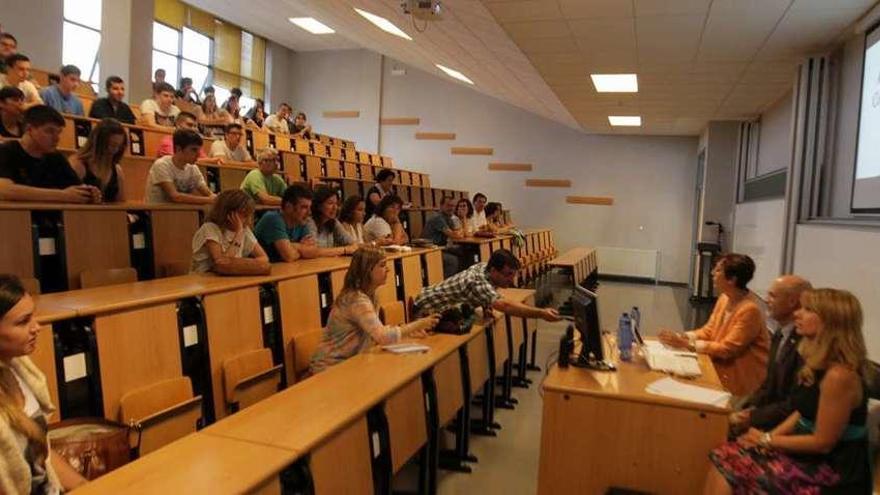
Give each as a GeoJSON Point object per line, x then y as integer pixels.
{"type": "Point", "coordinates": [625, 120]}
{"type": "Point", "coordinates": [454, 73]}
{"type": "Point", "coordinates": [615, 83]}
{"type": "Point", "coordinates": [311, 25]}
{"type": "Point", "coordinates": [383, 24]}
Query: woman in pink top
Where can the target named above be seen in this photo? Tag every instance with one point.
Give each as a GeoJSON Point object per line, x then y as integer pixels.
{"type": "Point", "coordinates": [354, 325]}
{"type": "Point", "coordinates": [735, 336]}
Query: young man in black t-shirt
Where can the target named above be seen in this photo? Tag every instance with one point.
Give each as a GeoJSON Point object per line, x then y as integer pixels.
{"type": "Point", "coordinates": [32, 169]}
{"type": "Point", "coordinates": [112, 106]}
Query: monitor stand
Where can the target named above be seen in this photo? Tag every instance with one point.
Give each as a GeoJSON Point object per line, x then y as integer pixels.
{"type": "Point", "coordinates": [592, 364]}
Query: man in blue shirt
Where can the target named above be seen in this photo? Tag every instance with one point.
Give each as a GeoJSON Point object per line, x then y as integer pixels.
{"type": "Point", "coordinates": [283, 234]}
{"type": "Point", "coordinates": [60, 96]}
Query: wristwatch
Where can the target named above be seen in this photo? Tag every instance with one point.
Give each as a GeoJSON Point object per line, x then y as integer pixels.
{"type": "Point", "coordinates": [765, 439]}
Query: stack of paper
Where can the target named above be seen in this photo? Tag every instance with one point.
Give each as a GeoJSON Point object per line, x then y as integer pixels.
{"type": "Point", "coordinates": [662, 358]}
{"type": "Point", "coordinates": [668, 387]}
{"type": "Point", "coordinates": [406, 348]}
{"type": "Point", "coordinates": [398, 248]}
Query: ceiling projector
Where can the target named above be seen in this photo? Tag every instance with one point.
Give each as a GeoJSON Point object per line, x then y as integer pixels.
{"type": "Point", "coordinates": [426, 10]}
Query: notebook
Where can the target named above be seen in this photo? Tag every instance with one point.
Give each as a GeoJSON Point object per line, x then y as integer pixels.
{"type": "Point", "coordinates": [673, 361]}
{"type": "Point", "coordinates": [406, 348]}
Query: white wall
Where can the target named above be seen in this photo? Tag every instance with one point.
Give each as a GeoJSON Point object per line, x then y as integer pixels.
{"type": "Point", "coordinates": [37, 26]}
{"type": "Point", "coordinates": [339, 80]}
{"type": "Point", "coordinates": [844, 258]}
{"type": "Point", "coordinates": [650, 178]}
{"type": "Point", "coordinates": [758, 233]}
{"type": "Point", "coordinates": [774, 143]}
{"type": "Point", "coordinates": [719, 181]}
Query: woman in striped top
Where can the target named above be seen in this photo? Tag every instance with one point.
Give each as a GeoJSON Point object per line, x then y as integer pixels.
{"type": "Point", "coordinates": [354, 325]}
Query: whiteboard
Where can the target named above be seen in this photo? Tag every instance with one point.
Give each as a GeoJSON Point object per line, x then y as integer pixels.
{"type": "Point", "coordinates": [757, 232]}
{"type": "Point", "coordinates": [844, 258]}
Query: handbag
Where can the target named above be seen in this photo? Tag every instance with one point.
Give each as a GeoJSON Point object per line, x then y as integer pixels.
{"type": "Point", "coordinates": [92, 446]}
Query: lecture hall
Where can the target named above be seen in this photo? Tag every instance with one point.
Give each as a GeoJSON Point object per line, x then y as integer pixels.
{"type": "Point", "coordinates": [445, 247]}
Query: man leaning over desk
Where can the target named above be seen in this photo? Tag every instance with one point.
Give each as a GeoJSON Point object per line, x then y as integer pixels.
{"type": "Point", "coordinates": [477, 286]}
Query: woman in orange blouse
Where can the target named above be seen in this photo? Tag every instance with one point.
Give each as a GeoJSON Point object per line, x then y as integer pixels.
{"type": "Point", "coordinates": [735, 336]}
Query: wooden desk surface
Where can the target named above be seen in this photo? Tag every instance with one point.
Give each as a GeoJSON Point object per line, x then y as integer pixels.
{"type": "Point", "coordinates": [571, 257]}
{"type": "Point", "coordinates": [197, 463]}
{"type": "Point", "coordinates": [628, 383]}
{"type": "Point", "coordinates": [61, 305]}
{"type": "Point", "coordinates": [518, 295]}
{"type": "Point", "coordinates": [302, 416]}
{"type": "Point", "coordinates": [480, 240]}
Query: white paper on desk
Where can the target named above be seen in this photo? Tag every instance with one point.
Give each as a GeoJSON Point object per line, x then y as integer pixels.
{"type": "Point", "coordinates": [406, 348]}
{"type": "Point", "coordinates": [668, 387]}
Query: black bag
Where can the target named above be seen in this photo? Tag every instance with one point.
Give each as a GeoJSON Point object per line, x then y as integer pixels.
{"type": "Point", "coordinates": [456, 321]}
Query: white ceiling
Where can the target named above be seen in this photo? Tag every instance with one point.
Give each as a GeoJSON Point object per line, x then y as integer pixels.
{"type": "Point", "coordinates": [697, 60]}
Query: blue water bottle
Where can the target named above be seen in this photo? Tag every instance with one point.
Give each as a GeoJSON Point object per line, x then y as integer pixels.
{"type": "Point", "coordinates": [636, 317]}
{"type": "Point", "coordinates": [624, 337]}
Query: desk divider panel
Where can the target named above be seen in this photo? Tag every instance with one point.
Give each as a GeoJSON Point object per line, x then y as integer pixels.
{"type": "Point", "coordinates": [172, 234]}
{"type": "Point", "coordinates": [234, 326]}
{"type": "Point", "coordinates": [136, 348]}
{"type": "Point", "coordinates": [478, 354]}
{"type": "Point", "coordinates": [434, 262]}
{"type": "Point", "coordinates": [136, 170]}
{"type": "Point", "coordinates": [44, 358]}
{"type": "Point", "coordinates": [447, 376]}
{"type": "Point", "coordinates": [17, 248]}
{"type": "Point", "coordinates": [337, 281]}
{"type": "Point", "coordinates": [231, 178]}
{"type": "Point", "coordinates": [300, 313]}
{"type": "Point", "coordinates": [350, 450]}
{"type": "Point", "coordinates": [95, 239]}
{"type": "Point", "coordinates": [406, 423]}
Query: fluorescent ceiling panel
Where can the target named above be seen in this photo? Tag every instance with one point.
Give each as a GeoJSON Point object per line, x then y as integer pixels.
{"type": "Point", "coordinates": [383, 24]}
{"type": "Point", "coordinates": [454, 73]}
{"type": "Point", "coordinates": [625, 120]}
{"type": "Point", "coordinates": [615, 83]}
{"type": "Point", "coordinates": [312, 25]}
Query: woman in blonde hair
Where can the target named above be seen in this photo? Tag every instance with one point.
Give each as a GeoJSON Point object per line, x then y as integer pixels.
{"type": "Point", "coordinates": [224, 243]}
{"type": "Point", "coordinates": [822, 447]}
{"type": "Point", "coordinates": [354, 325]}
{"type": "Point", "coordinates": [27, 463]}
{"type": "Point", "coordinates": [97, 161]}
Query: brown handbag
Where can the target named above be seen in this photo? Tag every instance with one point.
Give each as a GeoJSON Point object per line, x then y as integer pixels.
{"type": "Point", "coordinates": [92, 446]}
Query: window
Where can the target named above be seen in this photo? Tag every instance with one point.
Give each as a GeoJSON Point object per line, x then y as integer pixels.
{"type": "Point", "coordinates": [81, 33]}
{"type": "Point", "coordinates": [184, 53]}
{"type": "Point", "coordinates": [188, 42]}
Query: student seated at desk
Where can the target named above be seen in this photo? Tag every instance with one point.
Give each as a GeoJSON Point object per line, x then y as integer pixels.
{"type": "Point", "coordinates": [263, 184]}
{"type": "Point", "coordinates": [822, 447]}
{"type": "Point", "coordinates": [11, 112]}
{"type": "Point", "coordinates": [18, 73]}
{"type": "Point", "coordinates": [177, 178]}
{"type": "Point", "coordinates": [277, 122]}
{"type": "Point", "coordinates": [183, 121]}
{"type": "Point", "coordinates": [113, 106]}
{"type": "Point", "coordinates": [477, 286]}
{"type": "Point", "coordinates": [771, 403]}
{"type": "Point", "coordinates": [351, 217]}
{"type": "Point", "coordinates": [32, 170]}
{"type": "Point", "coordinates": [283, 234]}
{"type": "Point", "coordinates": [257, 114]}
{"type": "Point", "coordinates": [225, 243]}
{"type": "Point", "coordinates": [28, 465]}
{"type": "Point", "coordinates": [187, 92]}
{"type": "Point", "coordinates": [61, 96]}
{"type": "Point", "coordinates": [301, 128]}
{"type": "Point", "coordinates": [478, 221]}
{"type": "Point", "coordinates": [383, 187]}
{"type": "Point", "coordinates": [213, 119]}
{"type": "Point", "coordinates": [231, 148]}
{"type": "Point", "coordinates": [495, 218]}
{"type": "Point", "coordinates": [735, 337]}
{"type": "Point", "coordinates": [8, 48]}
{"type": "Point", "coordinates": [441, 230]}
{"type": "Point", "coordinates": [160, 110]}
{"type": "Point", "coordinates": [353, 325]}
{"type": "Point", "coordinates": [331, 238]}
{"type": "Point", "coordinates": [96, 163]}
{"type": "Point", "coordinates": [462, 220]}
{"type": "Point", "coordinates": [385, 227]}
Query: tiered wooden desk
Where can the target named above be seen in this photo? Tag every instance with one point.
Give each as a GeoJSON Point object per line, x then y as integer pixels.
{"type": "Point", "coordinates": [580, 262]}
{"type": "Point", "coordinates": [601, 430]}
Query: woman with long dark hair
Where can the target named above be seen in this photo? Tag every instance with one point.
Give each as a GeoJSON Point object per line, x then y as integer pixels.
{"type": "Point", "coordinates": [323, 226]}
{"type": "Point", "coordinates": [97, 161]}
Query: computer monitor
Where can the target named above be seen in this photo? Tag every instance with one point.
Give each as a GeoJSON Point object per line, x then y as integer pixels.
{"type": "Point", "coordinates": [585, 306]}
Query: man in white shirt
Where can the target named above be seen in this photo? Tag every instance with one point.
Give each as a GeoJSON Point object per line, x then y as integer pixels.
{"type": "Point", "coordinates": [231, 148]}
{"type": "Point", "coordinates": [176, 178]}
{"type": "Point", "coordinates": [478, 220]}
{"type": "Point", "coordinates": [277, 122]}
{"type": "Point", "coordinates": [17, 74]}
{"type": "Point", "coordinates": [160, 111]}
